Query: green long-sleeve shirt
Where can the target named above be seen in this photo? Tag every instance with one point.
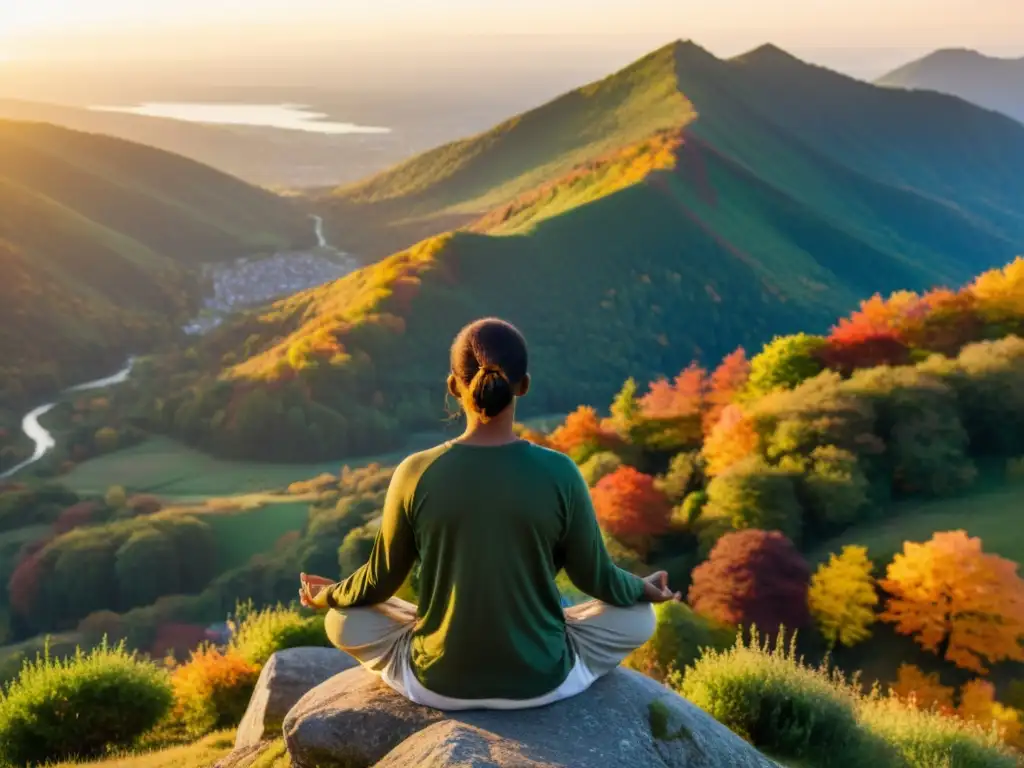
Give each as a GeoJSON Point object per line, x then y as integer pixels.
{"type": "Point", "coordinates": [492, 527]}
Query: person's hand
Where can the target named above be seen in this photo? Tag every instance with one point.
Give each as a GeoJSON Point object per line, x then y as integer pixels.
{"type": "Point", "coordinates": [313, 590]}
{"type": "Point", "coordinates": [656, 589]}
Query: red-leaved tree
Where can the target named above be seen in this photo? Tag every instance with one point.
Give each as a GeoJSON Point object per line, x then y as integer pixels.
{"type": "Point", "coordinates": [753, 578]}
{"type": "Point", "coordinates": [74, 516]}
{"type": "Point", "coordinates": [631, 508]}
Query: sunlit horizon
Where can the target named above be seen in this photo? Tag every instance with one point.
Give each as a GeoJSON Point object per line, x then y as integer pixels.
{"type": "Point", "coordinates": [96, 30]}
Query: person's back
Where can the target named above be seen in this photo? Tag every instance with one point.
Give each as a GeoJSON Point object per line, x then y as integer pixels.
{"type": "Point", "coordinates": [492, 520]}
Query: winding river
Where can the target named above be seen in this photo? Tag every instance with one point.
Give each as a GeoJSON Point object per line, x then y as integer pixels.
{"type": "Point", "coordinates": [41, 436]}
{"type": "Point", "coordinates": [38, 434]}
{"type": "Point", "coordinates": [318, 227]}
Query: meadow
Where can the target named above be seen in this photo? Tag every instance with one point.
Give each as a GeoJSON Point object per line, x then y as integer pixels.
{"type": "Point", "coordinates": [174, 471]}
{"type": "Point", "coordinates": [992, 514]}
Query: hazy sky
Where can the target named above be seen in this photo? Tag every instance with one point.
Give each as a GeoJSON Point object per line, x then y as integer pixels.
{"type": "Point", "coordinates": [830, 31]}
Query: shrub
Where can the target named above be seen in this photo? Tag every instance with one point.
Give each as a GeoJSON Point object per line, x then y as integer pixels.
{"type": "Point", "coordinates": [927, 738]}
{"type": "Point", "coordinates": [80, 706]}
{"type": "Point", "coordinates": [212, 690]}
{"type": "Point", "coordinates": [680, 635]}
{"type": "Point", "coordinates": [778, 704]}
{"type": "Point", "coordinates": [261, 634]}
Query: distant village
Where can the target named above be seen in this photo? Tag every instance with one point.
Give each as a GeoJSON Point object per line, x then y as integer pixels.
{"type": "Point", "coordinates": [250, 282]}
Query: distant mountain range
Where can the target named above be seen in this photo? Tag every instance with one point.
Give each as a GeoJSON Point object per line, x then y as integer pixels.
{"type": "Point", "coordinates": [676, 209]}
{"type": "Point", "coordinates": [267, 156]}
{"type": "Point", "coordinates": [100, 244]}
{"type": "Point", "coordinates": [990, 82]}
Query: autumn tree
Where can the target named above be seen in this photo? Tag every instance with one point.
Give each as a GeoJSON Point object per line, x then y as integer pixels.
{"type": "Point", "coordinates": [732, 439]}
{"type": "Point", "coordinates": [842, 597]}
{"type": "Point", "coordinates": [957, 601]}
{"type": "Point", "coordinates": [75, 516]}
{"type": "Point", "coordinates": [671, 411]}
{"type": "Point", "coordinates": [753, 578]}
{"type": "Point", "coordinates": [871, 336]}
{"type": "Point", "coordinates": [784, 363]}
{"type": "Point", "coordinates": [581, 435]}
{"type": "Point", "coordinates": [999, 294]}
{"type": "Point", "coordinates": [978, 705]}
{"type": "Point", "coordinates": [631, 508]}
{"type": "Point", "coordinates": [724, 386]}
{"type": "Point", "coordinates": [923, 691]}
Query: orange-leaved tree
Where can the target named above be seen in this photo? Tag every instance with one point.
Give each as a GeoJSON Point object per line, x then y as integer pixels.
{"type": "Point", "coordinates": [671, 412]}
{"type": "Point", "coordinates": [580, 435]}
{"type": "Point", "coordinates": [631, 508]}
{"type": "Point", "coordinates": [732, 439]}
{"type": "Point", "coordinates": [978, 705]}
{"type": "Point", "coordinates": [957, 601]}
{"type": "Point", "coordinates": [923, 691]}
{"type": "Point", "coordinates": [724, 385]}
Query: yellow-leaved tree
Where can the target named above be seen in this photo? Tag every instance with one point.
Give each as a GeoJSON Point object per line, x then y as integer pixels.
{"type": "Point", "coordinates": [842, 597]}
{"type": "Point", "coordinates": [957, 601]}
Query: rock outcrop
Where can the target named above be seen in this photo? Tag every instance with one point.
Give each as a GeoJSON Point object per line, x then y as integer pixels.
{"type": "Point", "coordinates": [285, 679]}
{"type": "Point", "coordinates": [625, 720]}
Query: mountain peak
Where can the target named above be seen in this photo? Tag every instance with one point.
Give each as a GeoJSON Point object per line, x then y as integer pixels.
{"type": "Point", "coordinates": [767, 54]}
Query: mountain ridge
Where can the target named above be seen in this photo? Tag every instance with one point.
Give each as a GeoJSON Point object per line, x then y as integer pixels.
{"type": "Point", "coordinates": [761, 196]}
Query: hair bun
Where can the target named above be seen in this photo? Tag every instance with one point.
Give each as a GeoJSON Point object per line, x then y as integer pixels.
{"type": "Point", "coordinates": [491, 390]}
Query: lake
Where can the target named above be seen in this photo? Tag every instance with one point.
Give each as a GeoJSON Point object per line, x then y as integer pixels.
{"type": "Point", "coordinates": [293, 117]}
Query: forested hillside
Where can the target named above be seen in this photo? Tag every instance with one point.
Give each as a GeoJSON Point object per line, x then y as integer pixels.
{"type": "Point", "coordinates": [99, 244]}
{"type": "Point", "coordinates": [677, 209]}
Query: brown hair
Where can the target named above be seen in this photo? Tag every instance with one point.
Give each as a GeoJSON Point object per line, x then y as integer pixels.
{"type": "Point", "coordinates": [489, 361]}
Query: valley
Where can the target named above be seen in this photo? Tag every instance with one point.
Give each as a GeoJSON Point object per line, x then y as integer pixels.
{"type": "Point", "coordinates": [774, 318]}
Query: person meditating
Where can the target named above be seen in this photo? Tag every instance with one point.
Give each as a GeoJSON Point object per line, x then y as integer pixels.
{"type": "Point", "coordinates": [492, 520]}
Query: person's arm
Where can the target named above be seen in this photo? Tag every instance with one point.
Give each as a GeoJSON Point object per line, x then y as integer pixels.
{"type": "Point", "coordinates": [393, 555]}
{"type": "Point", "coordinates": [587, 562]}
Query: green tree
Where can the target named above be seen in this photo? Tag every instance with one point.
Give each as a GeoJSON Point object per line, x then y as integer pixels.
{"type": "Point", "coordinates": [917, 417]}
{"type": "Point", "coordinates": [831, 485]}
{"type": "Point", "coordinates": [753, 494]}
{"type": "Point", "coordinates": [784, 363]}
{"type": "Point", "coordinates": [682, 476]}
{"type": "Point", "coordinates": [147, 568]}
{"type": "Point", "coordinates": [842, 597]}
{"type": "Point", "coordinates": [106, 439]}
{"type": "Point", "coordinates": [598, 466]}
{"type": "Point", "coordinates": [625, 408]}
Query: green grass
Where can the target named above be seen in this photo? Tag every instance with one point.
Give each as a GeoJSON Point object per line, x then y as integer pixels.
{"type": "Point", "coordinates": [243, 534]}
{"type": "Point", "coordinates": [994, 515]}
{"type": "Point", "coordinates": [177, 472]}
